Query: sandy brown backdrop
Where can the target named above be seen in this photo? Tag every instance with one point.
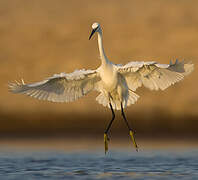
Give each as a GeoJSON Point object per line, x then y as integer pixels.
{"type": "Point", "coordinates": [41, 38]}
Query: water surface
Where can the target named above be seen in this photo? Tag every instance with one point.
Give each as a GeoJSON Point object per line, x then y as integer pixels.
{"type": "Point", "coordinates": [157, 164]}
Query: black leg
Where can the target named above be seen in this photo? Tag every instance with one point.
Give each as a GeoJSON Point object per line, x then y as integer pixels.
{"type": "Point", "coordinates": [130, 130]}
{"type": "Point", "coordinates": [123, 115]}
{"type": "Point", "coordinates": [107, 130]}
{"type": "Point", "coordinates": [113, 117]}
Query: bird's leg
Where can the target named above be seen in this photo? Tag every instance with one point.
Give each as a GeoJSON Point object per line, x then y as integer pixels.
{"type": "Point", "coordinates": [131, 132]}
{"type": "Point", "coordinates": [106, 138]}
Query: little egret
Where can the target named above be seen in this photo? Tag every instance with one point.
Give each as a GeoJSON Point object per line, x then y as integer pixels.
{"type": "Point", "coordinates": [116, 83]}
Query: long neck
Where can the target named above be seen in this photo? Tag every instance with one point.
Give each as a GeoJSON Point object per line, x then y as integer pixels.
{"type": "Point", "coordinates": [101, 49]}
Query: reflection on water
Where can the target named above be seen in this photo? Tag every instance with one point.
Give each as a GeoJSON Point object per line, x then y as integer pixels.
{"type": "Point", "coordinates": [95, 165]}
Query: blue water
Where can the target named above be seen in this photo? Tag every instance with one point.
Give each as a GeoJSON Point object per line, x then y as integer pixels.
{"type": "Point", "coordinates": [115, 165]}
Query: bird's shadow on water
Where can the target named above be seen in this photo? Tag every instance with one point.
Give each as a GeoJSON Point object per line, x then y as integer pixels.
{"type": "Point", "coordinates": [96, 165]}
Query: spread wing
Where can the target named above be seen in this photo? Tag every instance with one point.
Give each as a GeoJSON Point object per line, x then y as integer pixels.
{"type": "Point", "coordinates": [153, 75]}
{"type": "Point", "coordinates": [60, 87]}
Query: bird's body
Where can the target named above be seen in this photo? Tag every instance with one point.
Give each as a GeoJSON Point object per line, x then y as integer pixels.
{"type": "Point", "coordinates": [116, 83]}
{"type": "Point", "coordinates": [109, 77]}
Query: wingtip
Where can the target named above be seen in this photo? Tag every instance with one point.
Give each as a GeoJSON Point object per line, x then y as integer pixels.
{"type": "Point", "coordinates": [183, 66]}
{"type": "Point", "coordinates": [15, 87]}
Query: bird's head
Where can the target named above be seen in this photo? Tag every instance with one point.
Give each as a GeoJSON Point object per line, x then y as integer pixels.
{"type": "Point", "coordinates": [96, 28]}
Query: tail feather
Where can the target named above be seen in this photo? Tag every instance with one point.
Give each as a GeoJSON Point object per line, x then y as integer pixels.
{"type": "Point", "coordinates": [116, 104]}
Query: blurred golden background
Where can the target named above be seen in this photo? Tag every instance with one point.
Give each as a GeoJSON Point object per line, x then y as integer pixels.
{"type": "Point", "coordinates": [41, 38]}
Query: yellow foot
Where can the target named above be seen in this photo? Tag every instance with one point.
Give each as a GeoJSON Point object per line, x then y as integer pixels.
{"type": "Point", "coordinates": [133, 139]}
{"type": "Point", "coordinates": [106, 142]}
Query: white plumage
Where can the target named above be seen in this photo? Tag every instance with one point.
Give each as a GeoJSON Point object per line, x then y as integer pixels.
{"type": "Point", "coordinates": [115, 83]}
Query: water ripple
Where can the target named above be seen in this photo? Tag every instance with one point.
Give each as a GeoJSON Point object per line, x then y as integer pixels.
{"type": "Point", "coordinates": [116, 165]}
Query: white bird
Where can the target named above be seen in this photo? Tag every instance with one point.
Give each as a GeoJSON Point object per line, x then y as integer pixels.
{"type": "Point", "coordinates": [115, 83]}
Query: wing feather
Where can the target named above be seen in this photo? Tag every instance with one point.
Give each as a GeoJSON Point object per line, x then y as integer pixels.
{"type": "Point", "coordinates": [153, 75]}
{"type": "Point", "coordinates": [60, 87]}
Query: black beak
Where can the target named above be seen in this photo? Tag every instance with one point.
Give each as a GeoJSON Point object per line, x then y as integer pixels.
{"type": "Point", "coordinates": [92, 33]}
